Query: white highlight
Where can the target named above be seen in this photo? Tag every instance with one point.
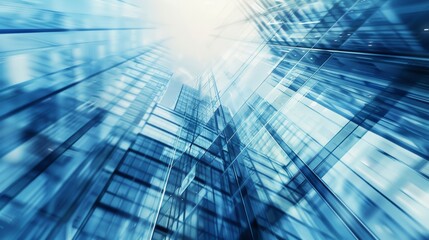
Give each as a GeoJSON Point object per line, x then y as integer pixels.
{"type": "Point", "coordinates": [190, 26]}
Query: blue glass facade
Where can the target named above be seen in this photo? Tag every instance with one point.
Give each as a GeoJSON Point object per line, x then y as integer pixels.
{"type": "Point", "coordinates": [311, 125]}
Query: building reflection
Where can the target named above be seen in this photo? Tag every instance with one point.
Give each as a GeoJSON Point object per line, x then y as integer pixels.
{"type": "Point", "coordinates": [312, 126]}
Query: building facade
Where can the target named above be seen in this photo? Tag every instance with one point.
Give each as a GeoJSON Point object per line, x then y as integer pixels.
{"type": "Point", "coordinates": [313, 125]}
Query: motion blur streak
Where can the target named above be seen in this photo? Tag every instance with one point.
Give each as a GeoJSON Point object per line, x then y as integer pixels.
{"type": "Point", "coordinates": [214, 119]}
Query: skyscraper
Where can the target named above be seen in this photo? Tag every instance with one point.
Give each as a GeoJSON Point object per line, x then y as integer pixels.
{"type": "Point", "coordinates": [311, 123]}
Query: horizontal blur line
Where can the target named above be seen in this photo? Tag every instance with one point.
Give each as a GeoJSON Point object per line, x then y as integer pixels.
{"type": "Point", "coordinates": [55, 92]}
{"type": "Point", "coordinates": [308, 22]}
{"type": "Point", "coordinates": [11, 31]}
{"type": "Point", "coordinates": [353, 52]}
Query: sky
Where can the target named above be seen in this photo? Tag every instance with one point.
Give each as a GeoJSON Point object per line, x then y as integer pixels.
{"type": "Point", "coordinates": [190, 27]}
{"type": "Point", "coordinates": [190, 24]}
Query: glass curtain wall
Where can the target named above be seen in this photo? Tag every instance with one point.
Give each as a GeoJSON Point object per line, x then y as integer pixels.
{"type": "Point", "coordinates": [330, 105]}
{"type": "Point", "coordinates": [312, 125]}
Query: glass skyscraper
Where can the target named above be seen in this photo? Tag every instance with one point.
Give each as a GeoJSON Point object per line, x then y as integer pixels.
{"type": "Point", "coordinates": [311, 121]}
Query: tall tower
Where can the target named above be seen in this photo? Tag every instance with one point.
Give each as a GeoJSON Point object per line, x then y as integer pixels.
{"type": "Point", "coordinates": [310, 123]}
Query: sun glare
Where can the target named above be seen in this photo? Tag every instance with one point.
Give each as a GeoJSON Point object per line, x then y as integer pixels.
{"type": "Point", "coordinates": [190, 26]}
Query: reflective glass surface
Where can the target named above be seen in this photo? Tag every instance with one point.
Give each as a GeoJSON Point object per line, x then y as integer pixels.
{"type": "Point", "coordinates": [289, 120]}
